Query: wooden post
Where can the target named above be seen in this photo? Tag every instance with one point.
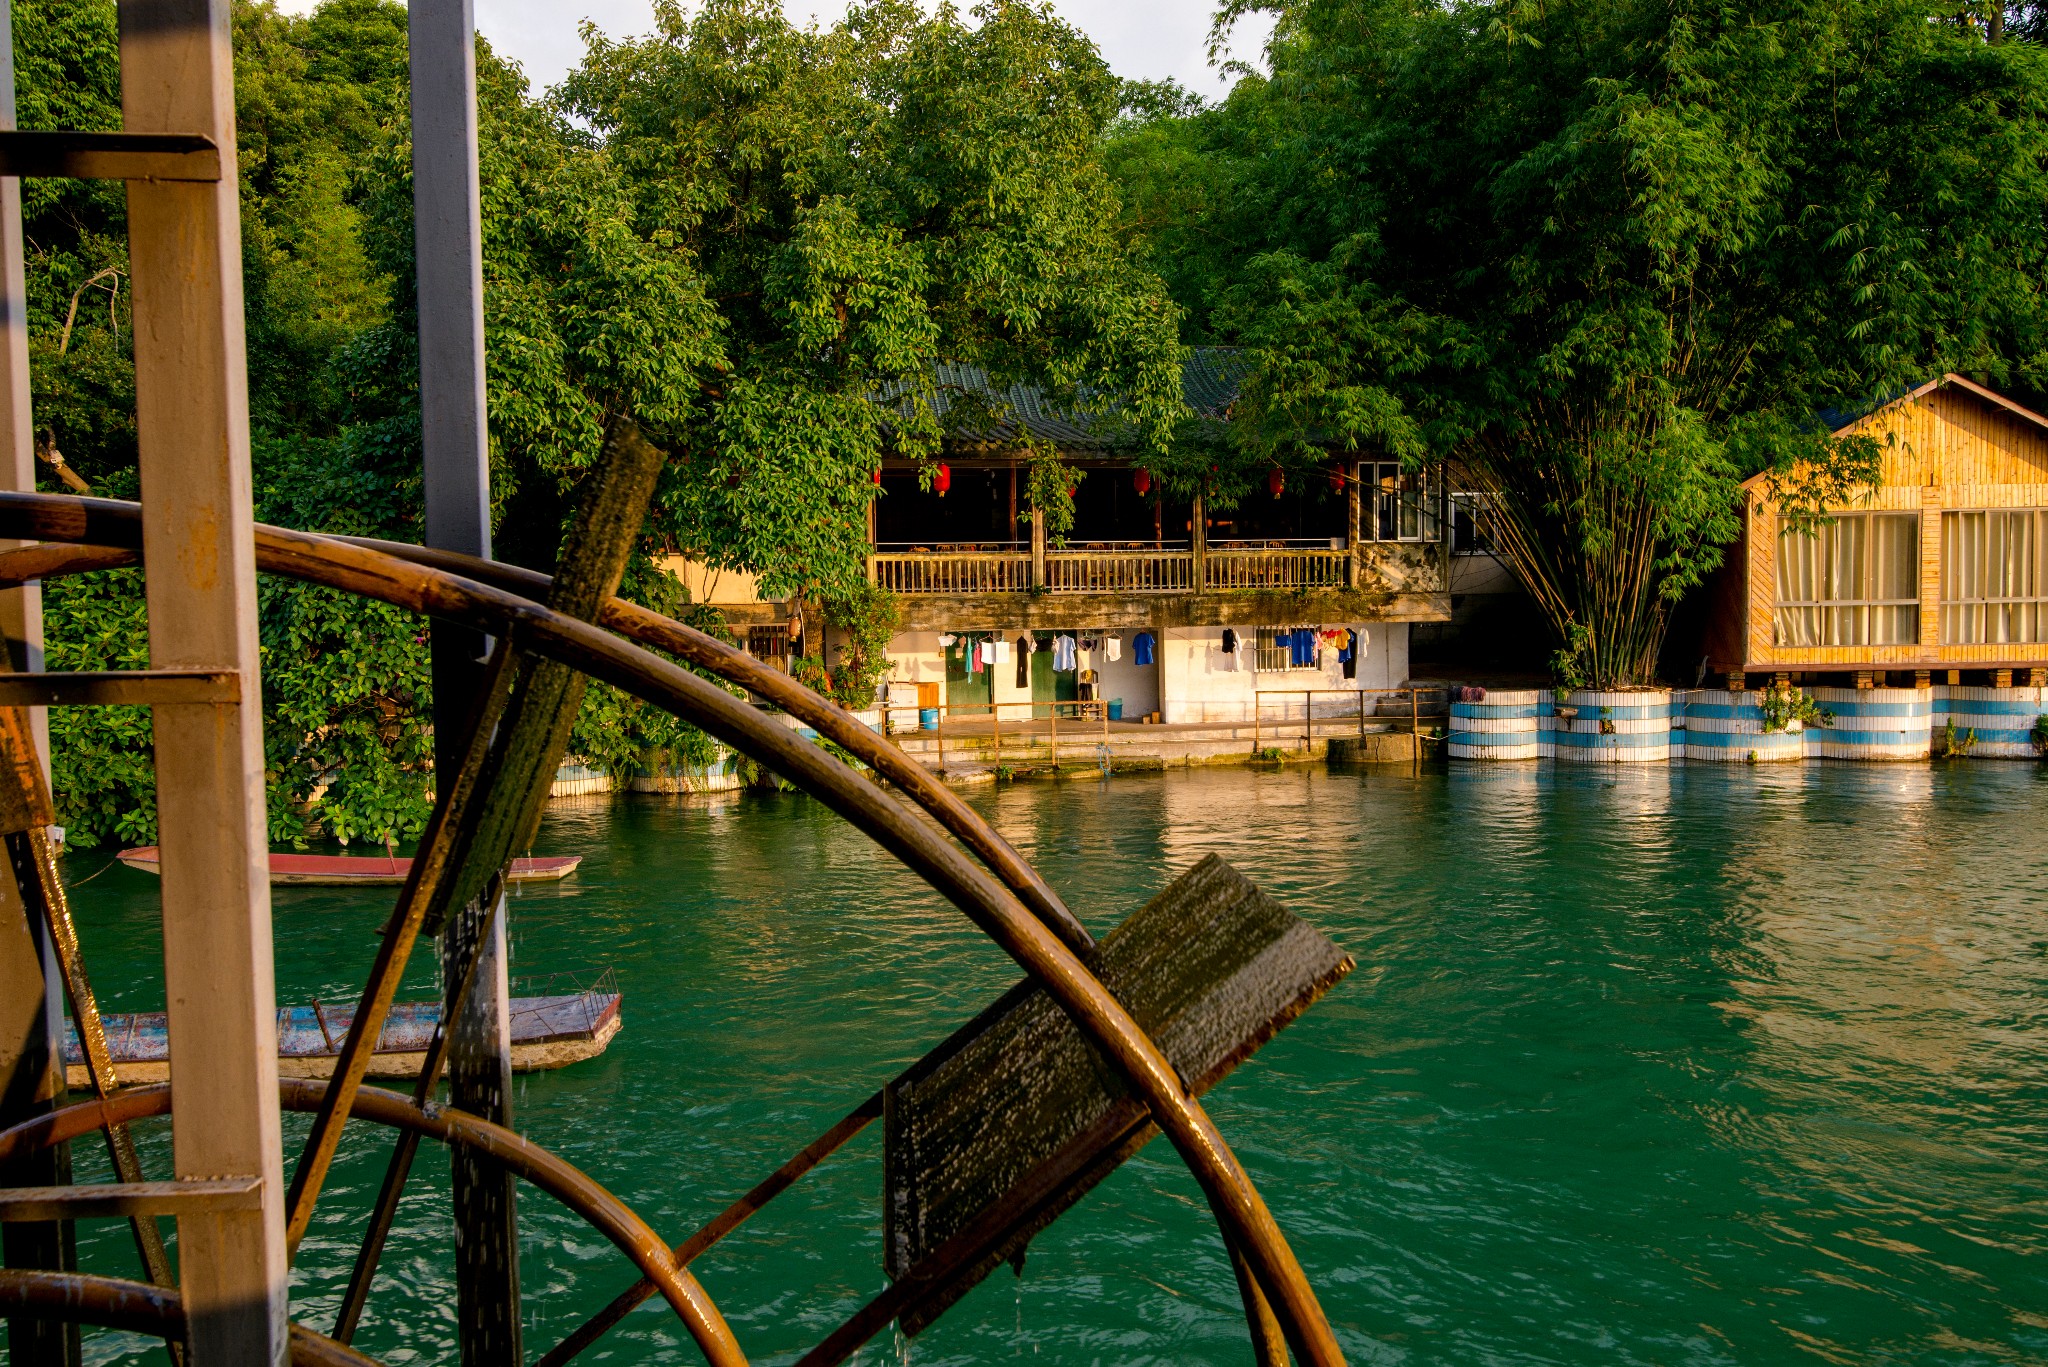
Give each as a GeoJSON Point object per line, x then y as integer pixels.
{"type": "Point", "coordinates": [995, 719]}
{"type": "Point", "coordinates": [32, 1021]}
{"type": "Point", "coordinates": [1037, 547]}
{"type": "Point", "coordinates": [942, 737]}
{"type": "Point", "coordinates": [1352, 573]}
{"type": "Point", "coordinates": [192, 417]}
{"type": "Point", "coordinates": [1055, 719]}
{"type": "Point", "coordinates": [1198, 542]}
{"type": "Point", "coordinates": [448, 232]}
{"type": "Point", "coordinates": [2001, 678]}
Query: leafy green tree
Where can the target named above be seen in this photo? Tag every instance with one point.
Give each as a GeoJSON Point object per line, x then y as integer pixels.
{"type": "Point", "coordinates": [1609, 257]}
{"type": "Point", "coordinates": [758, 240]}
{"type": "Point", "coordinates": [862, 203]}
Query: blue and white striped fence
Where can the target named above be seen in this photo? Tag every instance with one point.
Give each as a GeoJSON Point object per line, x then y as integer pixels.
{"type": "Point", "coordinates": [1728, 728]}
{"type": "Point", "coordinates": [1631, 727]}
{"type": "Point", "coordinates": [1503, 725]}
{"type": "Point", "coordinates": [1873, 723]}
{"type": "Point", "coordinates": [2002, 718]}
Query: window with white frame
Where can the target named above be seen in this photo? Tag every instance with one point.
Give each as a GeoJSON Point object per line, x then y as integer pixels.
{"type": "Point", "coordinates": [1854, 580]}
{"type": "Point", "coordinates": [1400, 505]}
{"type": "Point", "coordinates": [1994, 577]}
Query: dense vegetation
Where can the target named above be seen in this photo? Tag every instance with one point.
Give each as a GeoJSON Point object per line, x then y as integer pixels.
{"type": "Point", "coordinates": [755, 239]}
{"type": "Point", "coordinates": [1607, 257]}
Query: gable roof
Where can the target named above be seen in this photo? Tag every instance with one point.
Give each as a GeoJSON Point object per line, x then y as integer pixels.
{"type": "Point", "coordinates": [1841, 424]}
{"type": "Point", "coordinates": [1848, 425]}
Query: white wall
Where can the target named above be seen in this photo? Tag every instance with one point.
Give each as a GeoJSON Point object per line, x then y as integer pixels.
{"type": "Point", "coordinates": [1191, 679]}
{"type": "Point", "coordinates": [1204, 684]}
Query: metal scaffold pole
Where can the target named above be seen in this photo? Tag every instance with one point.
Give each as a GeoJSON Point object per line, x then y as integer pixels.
{"type": "Point", "coordinates": [448, 242]}
{"type": "Point", "coordinates": [192, 418]}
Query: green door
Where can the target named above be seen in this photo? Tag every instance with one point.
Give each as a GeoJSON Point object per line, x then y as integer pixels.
{"type": "Point", "coordinates": [1043, 681]}
{"type": "Point", "coordinates": [964, 687]}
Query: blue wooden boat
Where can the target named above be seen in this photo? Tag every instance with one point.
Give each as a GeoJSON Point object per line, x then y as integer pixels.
{"type": "Point", "coordinates": [547, 1032]}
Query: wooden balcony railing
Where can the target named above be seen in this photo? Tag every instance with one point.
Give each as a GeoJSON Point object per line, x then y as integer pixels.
{"type": "Point", "coordinates": [1110, 571]}
{"type": "Point", "coordinates": [1286, 568]}
{"type": "Point", "coordinates": [951, 571]}
{"type": "Point", "coordinates": [1119, 571]}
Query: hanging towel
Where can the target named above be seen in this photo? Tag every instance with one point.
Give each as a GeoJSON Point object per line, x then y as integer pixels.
{"type": "Point", "coordinates": [1229, 641]}
{"type": "Point", "coordinates": [1112, 648]}
{"type": "Point", "coordinates": [988, 652]}
{"type": "Point", "coordinates": [1063, 653]}
{"type": "Point", "coordinates": [1141, 648]}
{"type": "Point", "coordinates": [1002, 651]}
{"type": "Point", "coordinates": [1023, 662]}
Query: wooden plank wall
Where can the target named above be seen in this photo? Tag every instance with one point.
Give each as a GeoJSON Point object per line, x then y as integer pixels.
{"type": "Point", "coordinates": [1948, 449]}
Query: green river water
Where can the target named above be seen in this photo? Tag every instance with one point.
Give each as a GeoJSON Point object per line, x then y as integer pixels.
{"type": "Point", "coordinates": [1687, 1065]}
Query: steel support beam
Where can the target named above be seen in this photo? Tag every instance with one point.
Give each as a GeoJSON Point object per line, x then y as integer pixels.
{"type": "Point", "coordinates": [192, 417]}
{"type": "Point", "coordinates": [448, 247]}
{"type": "Point", "coordinates": [32, 1021]}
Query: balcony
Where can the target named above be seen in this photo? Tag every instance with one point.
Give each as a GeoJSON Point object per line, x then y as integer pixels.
{"type": "Point", "coordinates": [952, 572]}
{"type": "Point", "coordinates": [1270, 565]}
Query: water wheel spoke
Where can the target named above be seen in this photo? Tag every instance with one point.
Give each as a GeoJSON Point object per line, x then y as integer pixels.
{"type": "Point", "coordinates": [728, 1220]}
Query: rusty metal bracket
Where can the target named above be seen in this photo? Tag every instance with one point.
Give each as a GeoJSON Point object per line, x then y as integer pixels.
{"type": "Point", "coordinates": [110, 156]}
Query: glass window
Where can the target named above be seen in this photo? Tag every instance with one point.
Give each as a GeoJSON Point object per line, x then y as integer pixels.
{"type": "Point", "coordinates": [1854, 582]}
{"type": "Point", "coordinates": [1402, 505]}
{"type": "Point", "coordinates": [1994, 577]}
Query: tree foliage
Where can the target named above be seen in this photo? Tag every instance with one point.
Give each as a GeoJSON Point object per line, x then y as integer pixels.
{"type": "Point", "coordinates": [1608, 257]}
{"type": "Point", "coordinates": [758, 240]}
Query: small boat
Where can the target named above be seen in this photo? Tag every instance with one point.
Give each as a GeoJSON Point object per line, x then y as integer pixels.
{"type": "Point", "coordinates": [351, 870]}
{"type": "Point", "coordinates": [547, 1032]}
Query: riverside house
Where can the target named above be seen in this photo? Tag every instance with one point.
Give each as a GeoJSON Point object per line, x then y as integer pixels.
{"type": "Point", "coordinates": [1938, 575]}
{"type": "Point", "coordinates": [1170, 608]}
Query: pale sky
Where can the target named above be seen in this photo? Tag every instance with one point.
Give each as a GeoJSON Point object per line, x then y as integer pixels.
{"type": "Point", "coordinates": [1148, 39]}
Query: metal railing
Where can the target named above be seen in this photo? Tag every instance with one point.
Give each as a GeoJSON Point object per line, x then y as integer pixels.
{"type": "Point", "coordinates": [951, 571]}
{"type": "Point", "coordinates": [1086, 717]}
{"type": "Point", "coordinates": [1355, 706]}
{"type": "Point", "coordinates": [1119, 571]}
{"type": "Point", "coordinates": [1288, 568]}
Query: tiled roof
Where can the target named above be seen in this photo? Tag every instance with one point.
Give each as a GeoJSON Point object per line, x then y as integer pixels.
{"type": "Point", "coordinates": [1209, 381]}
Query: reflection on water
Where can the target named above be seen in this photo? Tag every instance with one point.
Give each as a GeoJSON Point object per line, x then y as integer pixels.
{"type": "Point", "coordinates": [1689, 1065]}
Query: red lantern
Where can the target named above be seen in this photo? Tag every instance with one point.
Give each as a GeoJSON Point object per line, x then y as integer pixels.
{"type": "Point", "coordinates": [1276, 483]}
{"type": "Point", "coordinates": [1141, 480]}
{"type": "Point", "coordinates": [878, 476]}
{"type": "Point", "coordinates": [1336, 479]}
{"type": "Point", "coordinates": [942, 479]}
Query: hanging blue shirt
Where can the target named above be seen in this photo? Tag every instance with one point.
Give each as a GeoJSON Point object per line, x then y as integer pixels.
{"type": "Point", "coordinates": [1141, 648]}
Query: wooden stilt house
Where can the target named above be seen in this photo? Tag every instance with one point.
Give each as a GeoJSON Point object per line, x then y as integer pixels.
{"type": "Point", "coordinates": [1943, 566]}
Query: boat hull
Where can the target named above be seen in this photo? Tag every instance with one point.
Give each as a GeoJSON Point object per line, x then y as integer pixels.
{"type": "Point", "coordinates": [547, 1033]}
{"type": "Point", "coordinates": [348, 870]}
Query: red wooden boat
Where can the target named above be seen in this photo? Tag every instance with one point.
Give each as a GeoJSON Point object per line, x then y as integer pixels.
{"type": "Point", "coordinates": [335, 870]}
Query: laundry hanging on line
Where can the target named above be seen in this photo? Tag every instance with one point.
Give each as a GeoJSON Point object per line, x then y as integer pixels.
{"type": "Point", "coordinates": [1063, 653]}
{"type": "Point", "coordinates": [1141, 648]}
{"type": "Point", "coordinates": [1112, 647]}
